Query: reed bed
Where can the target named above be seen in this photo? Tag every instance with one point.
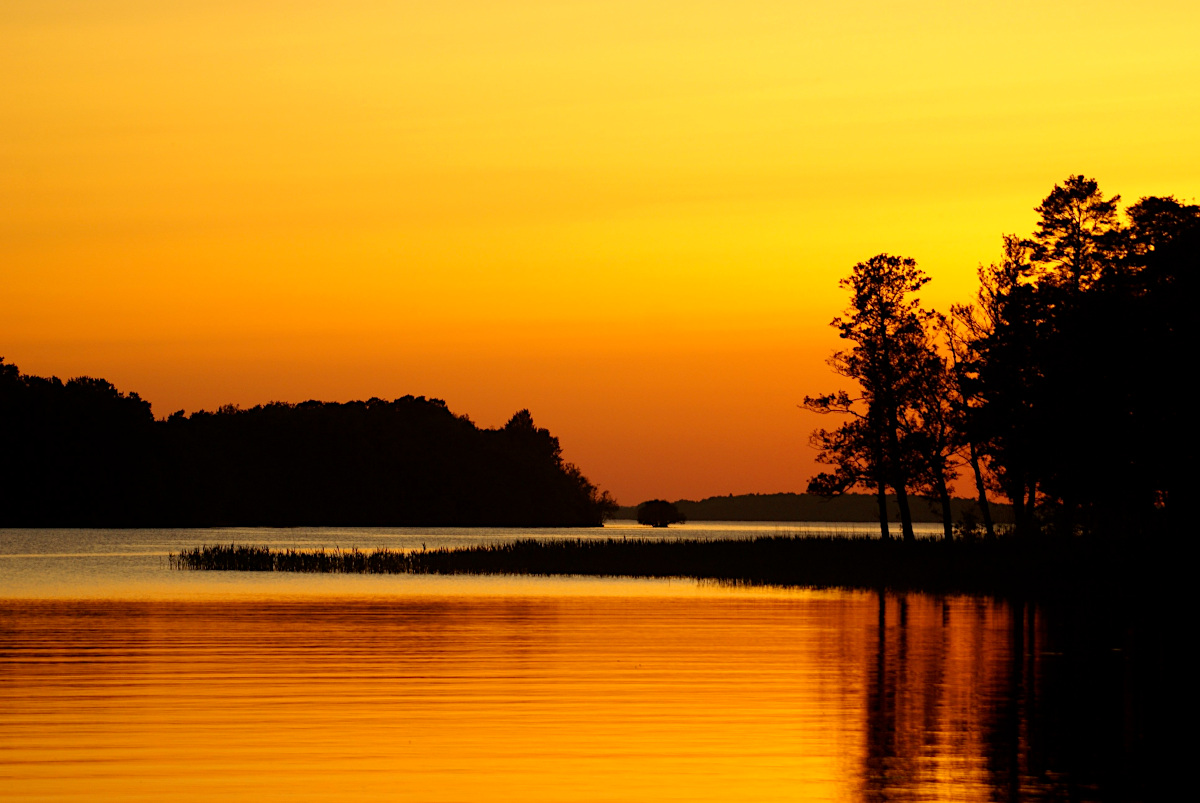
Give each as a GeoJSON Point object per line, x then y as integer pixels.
{"type": "Point", "coordinates": [250, 558]}
{"type": "Point", "coordinates": [1003, 566]}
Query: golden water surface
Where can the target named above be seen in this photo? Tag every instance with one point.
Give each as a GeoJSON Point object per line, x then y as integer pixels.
{"type": "Point", "coordinates": [522, 694]}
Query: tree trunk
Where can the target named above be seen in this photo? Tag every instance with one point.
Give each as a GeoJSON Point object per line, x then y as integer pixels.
{"type": "Point", "coordinates": [905, 512]}
{"type": "Point", "coordinates": [984, 507]}
{"type": "Point", "coordinates": [1025, 525]}
{"type": "Point", "coordinates": [1017, 490]}
{"type": "Point", "coordinates": [884, 532]}
{"type": "Point", "coordinates": [881, 473]}
{"type": "Point", "coordinates": [944, 501]}
{"type": "Point", "coordinates": [899, 481]}
{"type": "Point", "coordinates": [895, 469]}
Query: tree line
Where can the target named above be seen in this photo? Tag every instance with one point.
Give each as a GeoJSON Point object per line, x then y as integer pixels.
{"type": "Point", "coordinates": [846, 507]}
{"type": "Point", "coordinates": [83, 454]}
{"type": "Point", "coordinates": [1060, 386]}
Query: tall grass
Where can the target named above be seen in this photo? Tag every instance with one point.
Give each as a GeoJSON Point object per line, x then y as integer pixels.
{"type": "Point", "coordinates": [1002, 566]}
{"type": "Point", "coordinates": [250, 558]}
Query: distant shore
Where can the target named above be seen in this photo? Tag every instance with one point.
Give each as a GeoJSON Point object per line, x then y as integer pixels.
{"type": "Point", "coordinates": [1003, 567]}
{"type": "Point", "coordinates": [813, 507]}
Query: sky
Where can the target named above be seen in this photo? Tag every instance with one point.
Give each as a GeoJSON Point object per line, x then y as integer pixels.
{"type": "Point", "coordinates": [628, 217]}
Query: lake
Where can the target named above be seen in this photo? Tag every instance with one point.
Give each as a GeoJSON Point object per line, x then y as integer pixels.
{"type": "Point", "coordinates": [123, 679]}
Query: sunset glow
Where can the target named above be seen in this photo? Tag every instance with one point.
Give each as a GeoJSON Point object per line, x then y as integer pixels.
{"type": "Point", "coordinates": [630, 218]}
{"type": "Point", "coordinates": [792, 695]}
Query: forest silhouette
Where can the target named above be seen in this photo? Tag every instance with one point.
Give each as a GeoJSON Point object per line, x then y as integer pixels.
{"type": "Point", "coordinates": [1060, 386]}
{"type": "Point", "coordinates": [83, 454]}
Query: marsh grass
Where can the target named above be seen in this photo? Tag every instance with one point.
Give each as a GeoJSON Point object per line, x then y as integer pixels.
{"type": "Point", "coordinates": [1002, 566]}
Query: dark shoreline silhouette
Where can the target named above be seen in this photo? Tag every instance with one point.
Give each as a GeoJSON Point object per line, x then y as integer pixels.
{"type": "Point", "coordinates": [83, 454]}
{"type": "Point", "coordinates": [1000, 567]}
{"type": "Point", "coordinates": [1061, 387]}
{"type": "Point", "coordinates": [814, 507]}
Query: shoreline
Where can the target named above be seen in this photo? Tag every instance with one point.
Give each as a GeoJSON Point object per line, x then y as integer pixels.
{"type": "Point", "coordinates": [1006, 567]}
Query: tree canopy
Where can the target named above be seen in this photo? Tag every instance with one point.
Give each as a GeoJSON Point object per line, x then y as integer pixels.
{"type": "Point", "coordinates": [659, 513]}
{"type": "Point", "coordinates": [82, 453]}
{"type": "Point", "coordinates": [887, 358]}
{"type": "Point", "coordinates": [1058, 384]}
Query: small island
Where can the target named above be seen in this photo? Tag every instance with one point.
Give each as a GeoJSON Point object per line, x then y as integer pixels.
{"type": "Point", "coordinates": [659, 513]}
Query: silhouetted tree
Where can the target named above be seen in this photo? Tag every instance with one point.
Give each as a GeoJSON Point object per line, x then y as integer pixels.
{"type": "Point", "coordinates": [934, 430]}
{"type": "Point", "coordinates": [1000, 374]}
{"type": "Point", "coordinates": [1074, 241]}
{"type": "Point", "coordinates": [1070, 356]}
{"type": "Point", "coordinates": [1164, 257]}
{"type": "Point", "coordinates": [961, 334]}
{"type": "Point", "coordinates": [886, 326]}
{"type": "Point", "coordinates": [853, 449]}
{"type": "Point", "coordinates": [659, 513]}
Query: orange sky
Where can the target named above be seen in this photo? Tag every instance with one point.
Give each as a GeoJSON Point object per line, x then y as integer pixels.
{"type": "Point", "coordinates": [628, 217]}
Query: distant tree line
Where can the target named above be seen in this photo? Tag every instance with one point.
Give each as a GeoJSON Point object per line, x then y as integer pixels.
{"type": "Point", "coordinates": [847, 507]}
{"type": "Point", "coordinates": [1060, 386]}
{"type": "Point", "coordinates": [83, 454]}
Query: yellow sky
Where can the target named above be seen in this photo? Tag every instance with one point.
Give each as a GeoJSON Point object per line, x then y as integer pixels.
{"type": "Point", "coordinates": [628, 217]}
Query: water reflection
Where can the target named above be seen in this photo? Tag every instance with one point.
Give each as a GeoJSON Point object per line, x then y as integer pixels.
{"type": "Point", "coordinates": [976, 699]}
{"type": "Point", "coordinates": [130, 564]}
{"type": "Point", "coordinates": [799, 695]}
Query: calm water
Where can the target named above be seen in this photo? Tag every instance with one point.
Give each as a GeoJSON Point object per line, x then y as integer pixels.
{"type": "Point", "coordinates": [122, 679]}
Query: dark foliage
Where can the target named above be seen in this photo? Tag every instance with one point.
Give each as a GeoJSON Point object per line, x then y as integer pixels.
{"type": "Point", "coordinates": [887, 437]}
{"type": "Point", "coordinates": [1076, 364]}
{"type": "Point", "coordinates": [1060, 386]}
{"type": "Point", "coordinates": [659, 513]}
{"type": "Point", "coordinates": [1000, 567]}
{"type": "Point", "coordinates": [81, 453]}
{"type": "Point", "coordinates": [813, 507]}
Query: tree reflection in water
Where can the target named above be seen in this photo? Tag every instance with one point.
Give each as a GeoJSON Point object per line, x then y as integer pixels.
{"type": "Point", "coordinates": [1009, 700]}
{"type": "Point", "coordinates": [709, 693]}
